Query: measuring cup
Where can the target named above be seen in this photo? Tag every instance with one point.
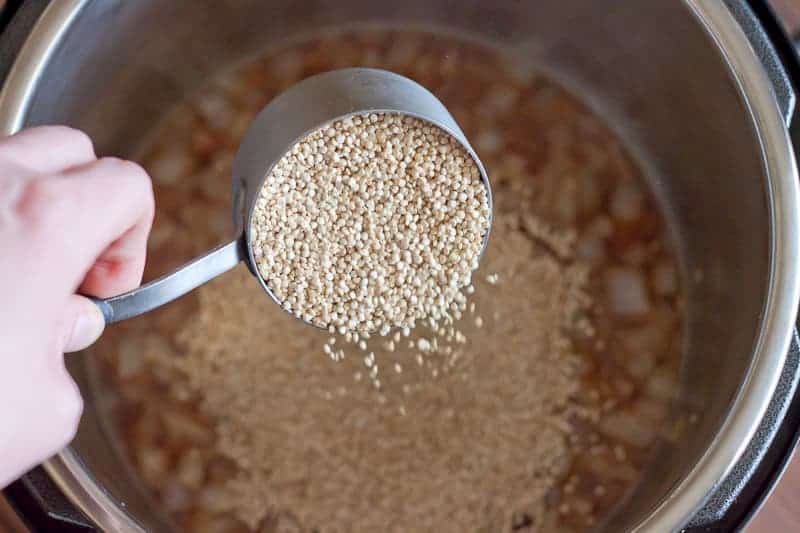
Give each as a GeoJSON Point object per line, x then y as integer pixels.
{"type": "Point", "coordinates": [287, 119]}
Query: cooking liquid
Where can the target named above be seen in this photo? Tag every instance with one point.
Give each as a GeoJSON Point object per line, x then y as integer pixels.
{"type": "Point", "coordinates": [552, 162]}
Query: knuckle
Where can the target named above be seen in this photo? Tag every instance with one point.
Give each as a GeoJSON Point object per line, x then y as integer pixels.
{"type": "Point", "coordinates": [35, 191]}
{"type": "Point", "coordinates": [69, 410]}
{"type": "Point", "coordinates": [112, 164]}
{"type": "Point", "coordinates": [57, 129]}
{"type": "Point", "coordinates": [38, 200]}
{"type": "Point", "coordinates": [138, 178]}
{"type": "Point", "coordinates": [120, 163]}
{"type": "Point", "coordinates": [130, 170]}
{"type": "Point", "coordinates": [33, 211]}
{"type": "Point", "coordinates": [150, 200]}
{"type": "Point", "coordinates": [66, 131]}
{"type": "Point", "coordinates": [76, 138]}
{"type": "Point", "coordinates": [82, 140]}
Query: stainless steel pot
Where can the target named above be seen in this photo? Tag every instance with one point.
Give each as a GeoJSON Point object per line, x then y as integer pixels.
{"type": "Point", "coordinates": [694, 86]}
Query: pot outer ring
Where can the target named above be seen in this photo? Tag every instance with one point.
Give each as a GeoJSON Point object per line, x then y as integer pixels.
{"type": "Point", "coordinates": [42, 506]}
{"type": "Point", "coordinates": [742, 494]}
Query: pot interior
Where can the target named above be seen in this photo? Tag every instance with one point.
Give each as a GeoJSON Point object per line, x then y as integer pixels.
{"type": "Point", "coordinates": [648, 69]}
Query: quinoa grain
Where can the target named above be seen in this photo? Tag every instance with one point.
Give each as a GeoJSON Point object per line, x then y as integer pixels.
{"type": "Point", "coordinates": [371, 223]}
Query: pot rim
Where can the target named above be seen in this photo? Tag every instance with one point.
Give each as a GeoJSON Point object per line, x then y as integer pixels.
{"type": "Point", "coordinates": [780, 308]}
{"type": "Point", "coordinates": [783, 287]}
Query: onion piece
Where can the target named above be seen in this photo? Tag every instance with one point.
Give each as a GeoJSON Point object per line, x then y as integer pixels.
{"type": "Point", "coordinates": [626, 202]}
{"type": "Point", "coordinates": [172, 164]}
{"type": "Point", "coordinates": [628, 428]}
{"type": "Point", "coordinates": [665, 278]}
{"type": "Point", "coordinates": [626, 291]}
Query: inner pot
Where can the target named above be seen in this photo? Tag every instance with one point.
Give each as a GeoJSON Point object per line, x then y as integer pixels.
{"type": "Point", "coordinates": [679, 82]}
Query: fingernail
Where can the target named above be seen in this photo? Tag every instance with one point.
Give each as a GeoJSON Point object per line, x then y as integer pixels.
{"type": "Point", "coordinates": [87, 328]}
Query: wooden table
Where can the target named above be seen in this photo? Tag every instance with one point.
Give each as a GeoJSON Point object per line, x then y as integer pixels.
{"type": "Point", "coordinates": [789, 10]}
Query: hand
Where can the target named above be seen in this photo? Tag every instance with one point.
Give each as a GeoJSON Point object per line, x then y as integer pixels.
{"type": "Point", "coordinates": [69, 222]}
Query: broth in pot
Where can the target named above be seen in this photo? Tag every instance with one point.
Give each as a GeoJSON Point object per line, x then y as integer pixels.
{"type": "Point", "coordinates": [536, 411]}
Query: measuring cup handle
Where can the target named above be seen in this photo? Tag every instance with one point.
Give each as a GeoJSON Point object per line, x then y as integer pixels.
{"type": "Point", "coordinates": [173, 285]}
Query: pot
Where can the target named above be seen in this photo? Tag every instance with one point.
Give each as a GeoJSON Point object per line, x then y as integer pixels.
{"type": "Point", "coordinates": [702, 92]}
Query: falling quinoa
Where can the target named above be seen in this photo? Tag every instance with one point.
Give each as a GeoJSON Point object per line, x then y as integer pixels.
{"type": "Point", "coordinates": [336, 456]}
{"type": "Point", "coordinates": [371, 223]}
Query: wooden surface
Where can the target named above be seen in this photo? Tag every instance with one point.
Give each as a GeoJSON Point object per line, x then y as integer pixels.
{"type": "Point", "coordinates": [781, 513]}
{"type": "Point", "coordinates": [9, 523]}
{"type": "Point", "coordinates": [789, 11]}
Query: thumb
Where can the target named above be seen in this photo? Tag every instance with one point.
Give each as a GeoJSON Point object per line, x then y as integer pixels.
{"type": "Point", "coordinates": [83, 323]}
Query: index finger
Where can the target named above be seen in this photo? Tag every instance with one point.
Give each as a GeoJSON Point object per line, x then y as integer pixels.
{"type": "Point", "coordinates": [98, 217]}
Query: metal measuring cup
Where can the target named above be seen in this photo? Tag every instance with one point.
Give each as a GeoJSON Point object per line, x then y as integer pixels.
{"type": "Point", "coordinates": [291, 116]}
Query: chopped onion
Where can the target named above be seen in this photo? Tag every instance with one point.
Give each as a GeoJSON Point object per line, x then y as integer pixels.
{"type": "Point", "coordinates": [661, 385]}
{"type": "Point", "coordinates": [601, 227]}
{"type": "Point", "coordinates": [183, 426]}
{"type": "Point", "coordinates": [153, 463]}
{"type": "Point", "coordinates": [163, 232]}
{"type": "Point", "coordinates": [626, 291]}
{"type": "Point", "coordinates": [403, 51]}
{"type": "Point", "coordinates": [626, 202]}
{"type": "Point", "coordinates": [501, 99]}
{"type": "Point", "coordinates": [605, 467]}
{"type": "Point", "coordinates": [175, 497]}
{"type": "Point", "coordinates": [651, 336]}
{"type": "Point", "coordinates": [489, 141]}
{"type": "Point", "coordinates": [639, 365]}
{"type": "Point", "coordinates": [628, 428]}
{"type": "Point", "coordinates": [651, 410]}
{"type": "Point", "coordinates": [191, 469]}
{"type": "Point", "coordinates": [590, 249]}
{"type": "Point", "coordinates": [215, 109]}
{"type": "Point", "coordinates": [288, 65]}
{"type": "Point", "coordinates": [130, 359]}
{"type": "Point", "coordinates": [665, 278]}
{"type": "Point", "coordinates": [171, 165]}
